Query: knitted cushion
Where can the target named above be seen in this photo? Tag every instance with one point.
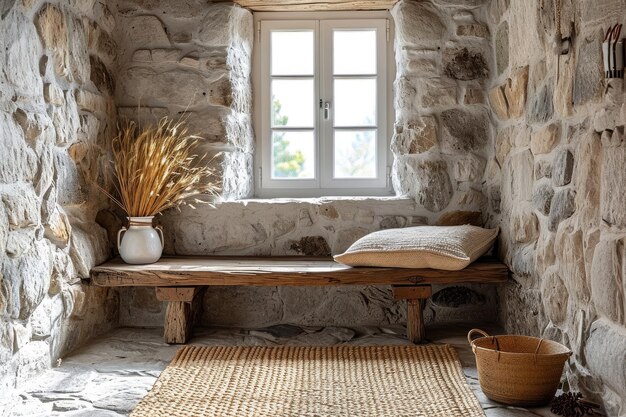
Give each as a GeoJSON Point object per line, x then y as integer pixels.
{"type": "Point", "coordinates": [450, 248]}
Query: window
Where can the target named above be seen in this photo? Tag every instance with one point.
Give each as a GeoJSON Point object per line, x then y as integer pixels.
{"type": "Point", "coordinates": [321, 107]}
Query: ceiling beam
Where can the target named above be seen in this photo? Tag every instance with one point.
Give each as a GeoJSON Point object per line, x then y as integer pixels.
{"type": "Point", "coordinates": [315, 5]}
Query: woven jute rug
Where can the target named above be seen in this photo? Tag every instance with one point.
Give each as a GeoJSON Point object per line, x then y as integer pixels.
{"type": "Point", "coordinates": [312, 381]}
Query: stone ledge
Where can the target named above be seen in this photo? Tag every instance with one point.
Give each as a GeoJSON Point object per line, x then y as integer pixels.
{"type": "Point", "coordinates": [323, 200]}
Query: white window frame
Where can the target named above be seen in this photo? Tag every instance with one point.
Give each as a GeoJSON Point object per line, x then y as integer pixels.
{"type": "Point", "coordinates": [323, 184]}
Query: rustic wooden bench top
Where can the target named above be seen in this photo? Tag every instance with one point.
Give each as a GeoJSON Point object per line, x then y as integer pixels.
{"type": "Point", "coordinates": [279, 271]}
{"type": "Point", "coordinates": [180, 280]}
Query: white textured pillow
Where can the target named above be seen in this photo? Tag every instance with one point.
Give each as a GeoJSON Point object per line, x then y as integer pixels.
{"type": "Point", "coordinates": [450, 248]}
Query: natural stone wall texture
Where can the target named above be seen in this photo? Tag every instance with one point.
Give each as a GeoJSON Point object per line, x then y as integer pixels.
{"type": "Point", "coordinates": [191, 60]}
{"type": "Point", "coordinates": [56, 113]}
{"type": "Point", "coordinates": [442, 129]}
{"type": "Point", "coordinates": [556, 186]}
{"type": "Point", "coordinates": [197, 59]}
{"type": "Point", "coordinates": [314, 227]}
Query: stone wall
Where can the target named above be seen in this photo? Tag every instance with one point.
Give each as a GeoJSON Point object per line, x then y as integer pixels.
{"type": "Point", "coordinates": [556, 182]}
{"type": "Point", "coordinates": [443, 130]}
{"type": "Point", "coordinates": [56, 113]}
{"type": "Point", "coordinates": [316, 227]}
{"type": "Point", "coordinates": [191, 59]}
{"type": "Point", "coordinates": [196, 58]}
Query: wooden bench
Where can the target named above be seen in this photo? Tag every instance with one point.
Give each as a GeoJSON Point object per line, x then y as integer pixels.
{"type": "Point", "coordinates": [179, 281]}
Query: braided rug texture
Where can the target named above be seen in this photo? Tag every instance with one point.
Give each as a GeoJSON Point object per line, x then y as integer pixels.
{"type": "Point", "coordinates": [420, 381]}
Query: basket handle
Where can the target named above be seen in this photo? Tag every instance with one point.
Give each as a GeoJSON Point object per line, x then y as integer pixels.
{"type": "Point", "coordinates": [473, 331]}
{"type": "Point", "coordinates": [537, 349]}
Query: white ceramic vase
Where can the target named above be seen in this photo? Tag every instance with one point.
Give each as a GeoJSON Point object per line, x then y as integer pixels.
{"type": "Point", "coordinates": [141, 243]}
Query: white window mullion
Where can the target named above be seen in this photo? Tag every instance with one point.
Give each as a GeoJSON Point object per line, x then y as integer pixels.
{"type": "Point", "coordinates": [327, 97]}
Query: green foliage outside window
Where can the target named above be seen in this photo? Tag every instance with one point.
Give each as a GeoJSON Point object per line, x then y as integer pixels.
{"type": "Point", "coordinates": [286, 164]}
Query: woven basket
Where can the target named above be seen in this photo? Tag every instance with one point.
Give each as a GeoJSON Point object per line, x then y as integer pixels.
{"type": "Point", "coordinates": [518, 370]}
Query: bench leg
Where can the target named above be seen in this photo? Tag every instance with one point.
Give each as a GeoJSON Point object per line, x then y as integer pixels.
{"type": "Point", "coordinates": [415, 296]}
{"type": "Point", "coordinates": [184, 306]}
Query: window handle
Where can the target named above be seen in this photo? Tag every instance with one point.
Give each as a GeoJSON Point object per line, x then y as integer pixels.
{"type": "Point", "coordinates": [327, 110]}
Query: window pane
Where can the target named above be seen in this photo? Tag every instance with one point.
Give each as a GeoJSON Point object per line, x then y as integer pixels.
{"type": "Point", "coordinates": [355, 102]}
{"type": "Point", "coordinates": [292, 52]}
{"type": "Point", "coordinates": [355, 154]}
{"type": "Point", "coordinates": [293, 155]}
{"type": "Point", "coordinates": [293, 103]}
{"type": "Point", "coordinates": [354, 52]}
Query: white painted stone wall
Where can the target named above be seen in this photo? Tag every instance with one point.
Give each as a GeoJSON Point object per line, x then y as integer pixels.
{"type": "Point", "coordinates": [196, 58]}
{"type": "Point", "coordinates": [56, 114]}
{"type": "Point", "coordinates": [557, 186]}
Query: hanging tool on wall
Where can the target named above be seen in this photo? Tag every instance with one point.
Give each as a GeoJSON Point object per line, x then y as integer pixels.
{"type": "Point", "coordinates": [560, 44]}
{"type": "Point", "coordinates": [613, 52]}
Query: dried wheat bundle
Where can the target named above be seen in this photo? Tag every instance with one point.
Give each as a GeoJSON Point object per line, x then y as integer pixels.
{"type": "Point", "coordinates": [156, 168]}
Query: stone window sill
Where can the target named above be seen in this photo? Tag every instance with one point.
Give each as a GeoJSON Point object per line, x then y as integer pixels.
{"type": "Point", "coordinates": [323, 200]}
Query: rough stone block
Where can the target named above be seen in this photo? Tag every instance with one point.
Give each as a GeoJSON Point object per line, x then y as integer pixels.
{"type": "Point", "coordinates": [181, 88]}
{"type": "Point", "coordinates": [91, 102]}
{"type": "Point", "coordinates": [477, 30]}
{"type": "Point", "coordinates": [28, 279]}
{"type": "Point", "coordinates": [52, 28]}
{"type": "Point", "coordinates": [569, 248]}
{"type": "Point", "coordinates": [502, 47]}
{"type": "Point", "coordinates": [88, 247]}
{"type": "Point", "coordinates": [101, 76]}
{"type": "Point", "coordinates": [465, 64]}
{"type": "Point", "coordinates": [458, 218]}
{"type": "Point", "coordinates": [214, 30]}
{"type": "Point", "coordinates": [563, 93]}
{"type": "Point", "coordinates": [32, 124]}
{"type": "Point", "coordinates": [524, 225]}
{"type": "Point", "coordinates": [541, 106]}
{"type": "Point", "coordinates": [22, 206]}
{"type": "Point", "coordinates": [498, 102]}
{"type": "Point", "coordinates": [503, 145]}
{"type": "Point", "coordinates": [161, 56]}
{"type": "Point", "coordinates": [545, 139]}
{"type": "Point", "coordinates": [53, 94]}
{"type": "Point", "coordinates": [605, 352]}
{"type": "Point", "coordinates": [554, 296]}
{"type": "Point", "coordinates": [404, 96]}
{"type": "Point", "coordinates": [435, 92]}
{"type": "Point", "coordinates": [517, 174]}
{"type": "Point", "coordinates": [464, 130]}
{"type": "Point", "coordinates": [608, 280]}
{"type": "Point", "coordinates": [563, 168]}
{"type": "Point", "coordinates": [422, 62]}
{"type": "Point", "coordinates": [426, 179]}
{"type": "Point", "coordinates": [562, 207]}
{"type": "Point", "coordinates": [144, 32]}
{"type": "Point", "coordinates": [612, 203]}
{"type": "Point", "coordinates": [66, 121]}
{"type": "Point", "coordinates": [497, 9]}
{"type": "Point", "coordinates": [542, 198]}
{"type": "Point", "coordinates": [417, 23]}
{"type": "Point", "coordinates": [469, 168]}
{"type": "Point", "coordinates": [515, 92]}
{"type": "Point", "coordinates": [543, 169]}
{"type": "Point", "coordinates": [142, 55]}
{"type": "Point", "coordinates": [392, 222]}
{"type": "Point", "coordinates": [588, 75]}
{"type": "Point", "coordinates": [474, 96]}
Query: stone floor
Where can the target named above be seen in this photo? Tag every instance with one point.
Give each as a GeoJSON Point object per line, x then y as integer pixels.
{"type": "Point", "coordinates": [107, 377]}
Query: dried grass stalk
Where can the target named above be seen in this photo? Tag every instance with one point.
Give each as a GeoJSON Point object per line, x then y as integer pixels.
{"type": "Point", "coordinates": [156, 168]}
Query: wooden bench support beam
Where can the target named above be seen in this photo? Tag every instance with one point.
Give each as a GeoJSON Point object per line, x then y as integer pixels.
{"type": "Point", "coordinates": [415, 296]}
{"type": "Point", "coordinates": [184, 307]}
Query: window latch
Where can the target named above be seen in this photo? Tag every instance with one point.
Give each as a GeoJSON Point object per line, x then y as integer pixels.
{"type": "Point", "coordinates": [327, 110]}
